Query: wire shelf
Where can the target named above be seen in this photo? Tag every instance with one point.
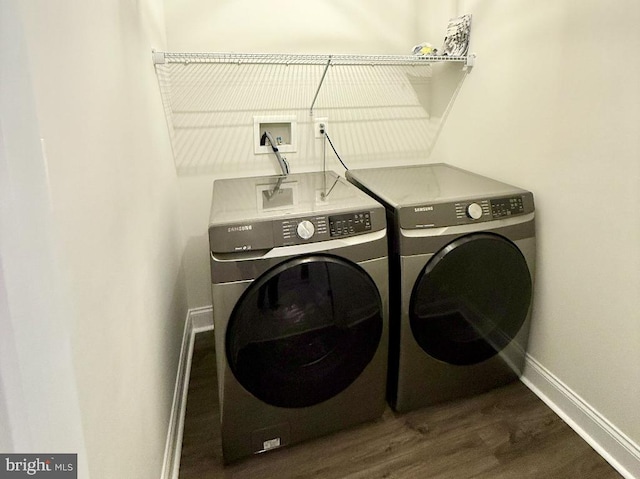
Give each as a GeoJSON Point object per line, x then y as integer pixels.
{"type": "Point", "coordinates": [211, 100]}
{"type": "Point", "coordinates": [303, 59]}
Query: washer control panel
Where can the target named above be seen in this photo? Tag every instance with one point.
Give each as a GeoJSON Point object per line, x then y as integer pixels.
{"type": "Point", "coordinates": [305, 229]}
{"type": "Point", "coordinates": [320, 228]}
{"type": "Point", "coordinates": [349, 224]}
{"type": "Point", "coordinates": [296, 229]}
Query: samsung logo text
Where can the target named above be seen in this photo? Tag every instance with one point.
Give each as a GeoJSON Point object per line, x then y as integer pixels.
{"type": "Point", "coordinates": [235, 229]}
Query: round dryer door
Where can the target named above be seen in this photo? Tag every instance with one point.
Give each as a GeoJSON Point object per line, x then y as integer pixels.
{"type": "Point", "coordinates": [471, 299]}
{"type": "Point", "coordinates": [304, 330]}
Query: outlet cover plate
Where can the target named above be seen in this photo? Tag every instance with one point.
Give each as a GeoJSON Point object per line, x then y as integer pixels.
{"type": "Point", "coordinates": [316, 126]}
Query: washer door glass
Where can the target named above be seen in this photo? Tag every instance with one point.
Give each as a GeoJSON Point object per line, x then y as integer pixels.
{"type": "Point", "coordinates": [304, 330]}
{"type": "Point", "coordinates": [471, 299]}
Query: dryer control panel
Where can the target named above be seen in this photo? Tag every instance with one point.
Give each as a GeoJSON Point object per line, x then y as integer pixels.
{"type": "Point", "coordinates": [507, 206]}
{"type": "Point", "coordinates": [475, 210]}
{"type": "Point", "coordinates": [495, 208]}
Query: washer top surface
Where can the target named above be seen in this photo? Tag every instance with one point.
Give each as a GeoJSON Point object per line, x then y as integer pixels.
{"type": "Point", "coordinates": [269, 211]}
{"type": "Point", "coordinates": [436, 195]}
{"type": "Point", "coordinates": [238, 200]}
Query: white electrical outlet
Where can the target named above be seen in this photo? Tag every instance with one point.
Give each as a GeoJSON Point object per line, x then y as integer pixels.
{"type": "Point", "coordinates": [320, 126]}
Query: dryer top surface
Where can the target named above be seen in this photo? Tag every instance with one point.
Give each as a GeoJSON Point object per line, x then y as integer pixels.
{"type": "Point", "coordinates": [431, 183]}
{"type": "Point", "coordinates": [440, 195]}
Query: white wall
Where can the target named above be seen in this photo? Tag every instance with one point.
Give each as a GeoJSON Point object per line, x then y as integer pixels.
{"type": "Point", "coordinates": [91, 257]}
{"type": "Point", "coordinates": [553, 106]}
{"type": "Point", "coordinates": [288, 26]}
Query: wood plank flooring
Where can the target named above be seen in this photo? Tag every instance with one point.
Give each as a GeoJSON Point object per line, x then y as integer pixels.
{"type": "Point", "coordinates": [506, 433]}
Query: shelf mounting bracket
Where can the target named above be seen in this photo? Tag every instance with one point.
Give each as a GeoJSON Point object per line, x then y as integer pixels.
{"type": "Point", "coordinates": [324, 73]}
{"type": "Point", "coordinates": [469, 61]}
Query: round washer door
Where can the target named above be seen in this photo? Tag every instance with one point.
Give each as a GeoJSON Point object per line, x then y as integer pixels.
{"type": "Point", "coordinates": [304, 330]}
{"type": "Point", "coordinates": [471, 299]}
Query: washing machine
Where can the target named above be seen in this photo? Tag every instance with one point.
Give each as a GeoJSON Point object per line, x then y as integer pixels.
{"type": "Point", "coordinates": [299, 274]}
{"type": "Point", "coordinates": [461, 261]}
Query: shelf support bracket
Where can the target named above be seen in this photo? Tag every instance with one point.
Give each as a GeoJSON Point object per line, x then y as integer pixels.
{"type": "Point", "coordinates": [324, 73]}
{"type": "Point", "coordinates": [158, 57]}
{"type": "Point", "coordinates": [469, 61]}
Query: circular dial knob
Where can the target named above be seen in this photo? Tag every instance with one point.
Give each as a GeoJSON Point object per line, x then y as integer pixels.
{"type": "Point", "coordinates": [474, 211]}
{"type": "Point", "coordinates": [305, 229]}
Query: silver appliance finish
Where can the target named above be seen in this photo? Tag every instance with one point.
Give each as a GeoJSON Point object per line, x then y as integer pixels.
{"type": "Point", "coordinates": [257, 225]}
{"type": "Point", "coordinates": [432, 209]}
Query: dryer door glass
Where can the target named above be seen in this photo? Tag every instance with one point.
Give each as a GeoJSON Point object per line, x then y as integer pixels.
{"type": "Point", "coordinates": [471, 299]}
{"type": "Point", "coordinates": [304, 330]}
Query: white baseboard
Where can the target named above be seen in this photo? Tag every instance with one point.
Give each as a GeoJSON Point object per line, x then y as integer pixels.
{"type": "Point", "coordinates": [198, 320]}
{"type": "Point", "coordinates": [201, 319]}
{"type": "Point", "coordinates": [613, 445]}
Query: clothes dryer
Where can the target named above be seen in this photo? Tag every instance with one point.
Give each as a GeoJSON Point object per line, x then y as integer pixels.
{"type": "Point", "coordinates": [299, 277]}
{"type": "Point", "coordinates": [462, 260]}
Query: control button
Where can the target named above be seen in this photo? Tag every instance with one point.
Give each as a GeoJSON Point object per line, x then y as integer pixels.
{"type": "Point", "coordinates": [305, 229]}
{"type": "Point", "coordinates": [474, 211]}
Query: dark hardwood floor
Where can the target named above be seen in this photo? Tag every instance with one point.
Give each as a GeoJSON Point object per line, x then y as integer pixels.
{"type": "Point", "coordinates": [506, 433]}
